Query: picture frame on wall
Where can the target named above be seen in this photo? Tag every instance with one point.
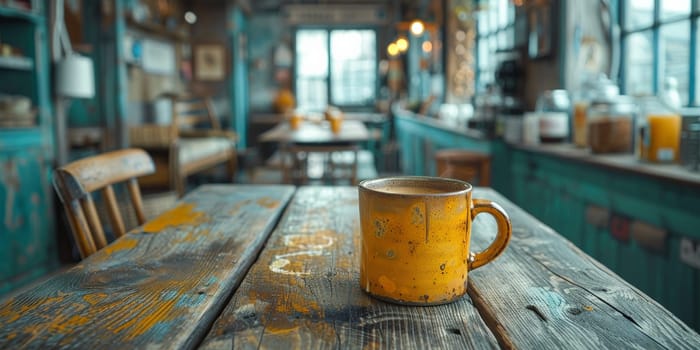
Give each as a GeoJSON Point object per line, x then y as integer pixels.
{"type": "Point", "coordinates": [209, 62]}
{"type": "Point", "coordinates": [540, 30]}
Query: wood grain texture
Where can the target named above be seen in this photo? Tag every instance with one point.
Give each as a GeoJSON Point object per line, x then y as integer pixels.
{"type": "Point", "coordinates": [545, 293]}
{"type": "Point", "coordinates": [160, 286]}
{"type": "Point", "coordinates": [304, 293]}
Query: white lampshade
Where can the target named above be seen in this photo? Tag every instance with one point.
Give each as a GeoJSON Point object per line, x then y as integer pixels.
{"type": "Point", "coordinates": [74, 77]}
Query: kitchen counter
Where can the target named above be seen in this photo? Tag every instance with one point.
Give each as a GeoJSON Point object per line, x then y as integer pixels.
{"type": "Point", "coordinates": [638, 219]}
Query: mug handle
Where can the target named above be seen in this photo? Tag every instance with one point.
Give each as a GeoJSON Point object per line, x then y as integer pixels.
{"type": "Point", "coordinates": [499, 244]}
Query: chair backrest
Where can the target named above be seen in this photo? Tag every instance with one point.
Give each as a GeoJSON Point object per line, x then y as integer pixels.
{"type": "Point", "coordinates": [75, 182]}
{"type": "Point", "coordinates": [189, 111]}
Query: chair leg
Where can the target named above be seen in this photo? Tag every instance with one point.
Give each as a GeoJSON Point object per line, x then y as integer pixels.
{"type": "Point", "coordinates": [231, 166]}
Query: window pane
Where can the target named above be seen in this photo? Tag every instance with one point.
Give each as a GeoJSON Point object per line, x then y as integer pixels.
{"type": "Point", "coordinates": [639, 13]}
{"type": "Point", "coordinates": [503, 15]}
{"type": "Point", "coordinates": [493, 15]}
{"type": "Point", "coordinates": [483, 22]}
{"type": "Point", "coordinates": [483, 48]}
{"type": "Point", "coordinates": [675, 55]}
{"type": "Point", "coordinates": [638, 63]}
{"type": "Point", "coordinates": [674, 8]}
{"type": "Point", "coordinates": [353, 67]}
{"type": "Point", "coordinates": [312, 69]}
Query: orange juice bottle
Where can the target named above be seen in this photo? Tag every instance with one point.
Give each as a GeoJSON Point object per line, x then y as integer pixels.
{"type": "Point", "coordinates": [664, 137]}
{"type": "Point", "coordinates": [658, 133]}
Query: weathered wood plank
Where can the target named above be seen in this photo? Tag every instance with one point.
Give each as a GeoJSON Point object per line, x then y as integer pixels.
{"type": "Point", "coordinates": [303, 292]}
{"type": "Point", "coordinates": [162, 285]}
{"type": "Point", "coordinates": [545, 293]}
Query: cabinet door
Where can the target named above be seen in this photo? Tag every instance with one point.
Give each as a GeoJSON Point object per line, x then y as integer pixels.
{"type": "Point", "coordinates": [27, 239]}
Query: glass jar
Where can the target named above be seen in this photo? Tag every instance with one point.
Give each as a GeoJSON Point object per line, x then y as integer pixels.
{"type": "Point", "coordinates": [592, 90]}
{"type": "Point", "coordinates": [610, 125]}
{"type": "Point", "coordinates": [553, 108]}
{"type": "Point", "coordinates": [658, 132]}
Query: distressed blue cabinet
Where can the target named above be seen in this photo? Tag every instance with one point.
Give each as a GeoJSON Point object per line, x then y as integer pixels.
{"type": "Point", "coordinates": [28, 248]}
{"type": "Point", "coordinates": [643, 228]}
{"type": "Point", "coordinates": [27, 220]}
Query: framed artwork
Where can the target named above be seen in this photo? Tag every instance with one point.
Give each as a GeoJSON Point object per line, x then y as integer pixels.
{"type": "Point", "coordinates": [540, 30]}
{"type": "Point", "coordinates": [209, 62]}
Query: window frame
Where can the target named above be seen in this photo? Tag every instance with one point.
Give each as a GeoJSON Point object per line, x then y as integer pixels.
{"type": "Point", "coordinates": [655, 28]}
{"type": "Point", "coordinates": [329, 94]}
{"type": "Point", "coordinates": [503, 28]}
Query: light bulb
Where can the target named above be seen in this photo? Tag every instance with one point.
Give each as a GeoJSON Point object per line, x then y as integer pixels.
{"type": "Point", "coordinates": [402, 44]}
{"type": "Point", "coordinates": [392, 49]}
{"type": "Point", "coordinates": [417, 27]}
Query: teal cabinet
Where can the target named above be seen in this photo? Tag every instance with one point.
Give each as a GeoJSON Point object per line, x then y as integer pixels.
{"type": "Point", "coordinates": [420, 137]}
{"type": "Point", "coordinates": [641, 226]}
{"type": "Point", "coordinates": [28, 248]}
{"type": "Point", "coordinates": [27, 220]}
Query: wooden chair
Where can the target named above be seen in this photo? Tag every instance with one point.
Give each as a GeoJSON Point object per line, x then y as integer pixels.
{"type": "Point", "coordinates": [473, 167]}
{"type": "Point", "coordinates": [192, 143]}
{"type": "Point", "coordinates": [75, 182]}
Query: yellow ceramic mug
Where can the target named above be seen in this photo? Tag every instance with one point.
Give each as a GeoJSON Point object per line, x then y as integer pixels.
{"type": "Point", "coordinates": [415, 238]}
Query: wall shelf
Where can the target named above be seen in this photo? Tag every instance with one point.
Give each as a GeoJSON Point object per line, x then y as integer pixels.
{"type": "Point", "coordinates": [17, 63]}
{"type": "Point", "coordinates": [157, 29]}
{"type": "Point", "coordinates": [27, 15]}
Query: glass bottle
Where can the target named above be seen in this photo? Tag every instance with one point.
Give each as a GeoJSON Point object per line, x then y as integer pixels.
{"type": "Point", "coordinates": [657, 132]}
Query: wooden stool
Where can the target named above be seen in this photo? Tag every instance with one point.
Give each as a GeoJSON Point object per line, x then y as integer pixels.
{"type": "Point", "coordinates": [464, 165]}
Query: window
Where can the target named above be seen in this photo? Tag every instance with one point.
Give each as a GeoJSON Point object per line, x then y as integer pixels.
{"type": "Point", "coordinates": [495, 31]}
{"type": "Point", "coordinates": [658, 38]}
{"type": "Point", "coordinates": [336, 67]}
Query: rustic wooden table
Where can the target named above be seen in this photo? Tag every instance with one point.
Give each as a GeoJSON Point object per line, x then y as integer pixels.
{"type": "Point", "coordinates": [193, 278]}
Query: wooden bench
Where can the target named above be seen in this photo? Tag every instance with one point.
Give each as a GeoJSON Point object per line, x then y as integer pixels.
{"type": "Point", "coordinates": [193, 142]}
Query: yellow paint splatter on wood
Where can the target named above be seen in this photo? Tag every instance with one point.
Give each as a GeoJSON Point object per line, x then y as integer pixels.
{"type": "Point", "coordinates": [93, 299]}
{"type": "Point", "coordinates": [300, 306]}
{"type": "Point", "coordinates": [268, 202]}
{"type": "Point", "coordinates": [75, 321]}
{"type": "Point", "coordinates": [183, 214]}
{"type": "Point", "coordinates": [120, 244]}
{"type": "Point", "coordinates": [237, 207]}
{"type": "Point", "coordinates": [273, 330]}
{"type": "Point", "coordinates": [147, 318]}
